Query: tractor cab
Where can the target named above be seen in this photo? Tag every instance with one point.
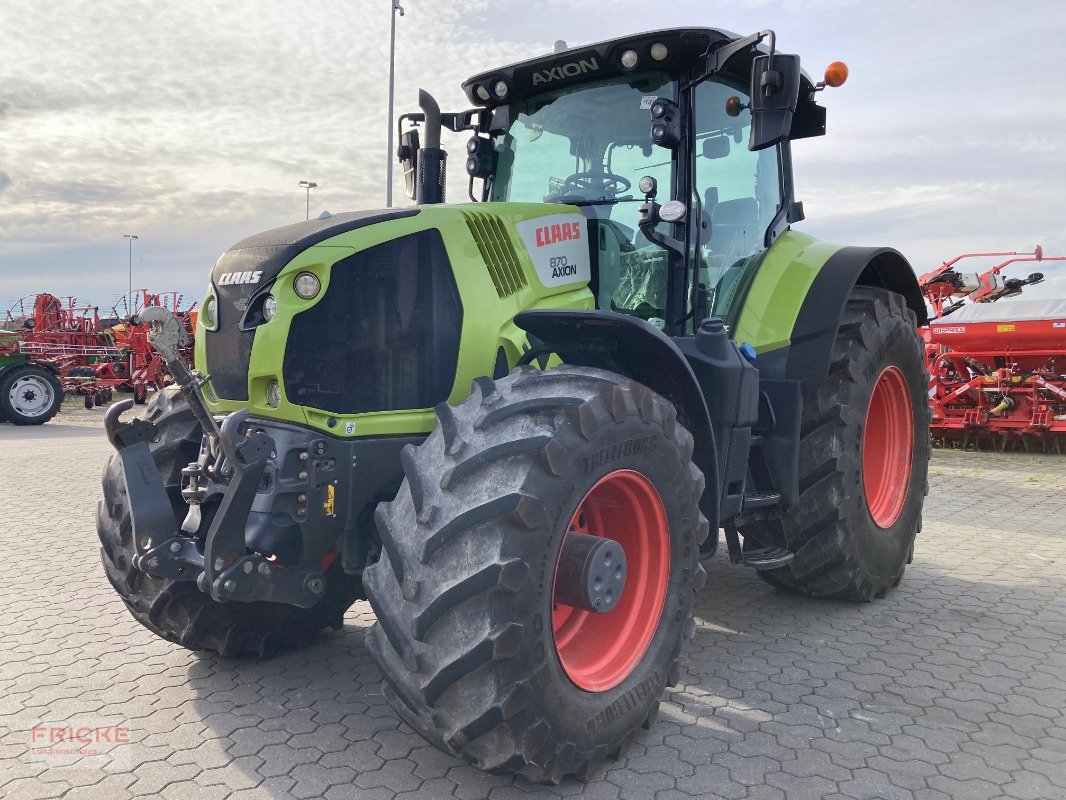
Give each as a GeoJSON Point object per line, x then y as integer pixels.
{"type": "Point", "coordinates": [655, 138]}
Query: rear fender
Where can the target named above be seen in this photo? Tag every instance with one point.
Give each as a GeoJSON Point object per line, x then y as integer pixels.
{"type": "Point", "coordinates": [807, 356]}
{"type": "Point", "coordinates": [632, 347]}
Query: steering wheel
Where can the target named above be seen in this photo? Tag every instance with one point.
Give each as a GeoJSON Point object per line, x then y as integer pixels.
{"type": "Point", "coordinates": [597, 182]}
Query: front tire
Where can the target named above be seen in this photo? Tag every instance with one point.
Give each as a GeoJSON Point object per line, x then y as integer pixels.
{"type": "Point", "coordinates": [177, 610]}
{"type": "Point", "coordinates": [863, 462]}
{"type": "Point", "coordinates": [482, 656]}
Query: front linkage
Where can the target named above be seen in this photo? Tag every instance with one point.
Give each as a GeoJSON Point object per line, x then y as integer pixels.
{"type": "Point", "coordinates": [238, 456]}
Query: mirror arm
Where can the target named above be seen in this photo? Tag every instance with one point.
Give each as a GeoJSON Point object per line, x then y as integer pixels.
{"type": "Point", "coordinates": [473, 119]}
{"type": "Point", "coordinates": [723, 55]}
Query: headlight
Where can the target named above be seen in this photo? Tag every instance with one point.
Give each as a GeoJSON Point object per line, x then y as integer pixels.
{"type": "Point", "coordinates": [270, 307]}
{"type": "Point", "coordinates": [209, 312]}
{"type": "Point", "coordinates": [659, 51]}
{"type": "Point", "coordinates": [306, 285]}
{"type": "Point", "coordinates": [273, 394]}
{"type": "Point", "coordinates": [630, 59]}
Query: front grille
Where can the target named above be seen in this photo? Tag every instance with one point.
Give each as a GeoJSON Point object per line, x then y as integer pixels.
{"type": "Point", "coordinates": [385, 334]}
{"type": "Point", "coordinates": [497, 251]}
{"type": "Point", "coordinates": [229, 348]}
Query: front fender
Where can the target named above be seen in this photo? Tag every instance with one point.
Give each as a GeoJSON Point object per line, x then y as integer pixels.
{"type": "Point", "coordinates": [640, 351]}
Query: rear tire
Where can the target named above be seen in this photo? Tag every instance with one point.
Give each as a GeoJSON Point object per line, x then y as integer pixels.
{"type": "Point", "coordinates": [465, 589]}
{"type": "Point", "coordinates": [177, 610]}
{"type": "Point", "coordinates": [854, 525]}
{"type": "Point", "coordinates": [29, 395]}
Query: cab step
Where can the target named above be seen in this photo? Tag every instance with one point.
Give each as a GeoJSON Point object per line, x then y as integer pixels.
{"type": "Point", "coordinates": [763, 558]}
{"type": "Point", "coordinates": [761, 500]}
{"type": "Point", "coordinates": [767, 558]}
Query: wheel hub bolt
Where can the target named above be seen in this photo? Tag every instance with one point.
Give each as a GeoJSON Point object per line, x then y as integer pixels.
{"type": "Point", "coordinates": [264, 568]}
{"type": "Point", "coordinates": [591, 573]}
{"type": "Point", "coordinates": [315, 585]}
{"type": "Point", "coordinates": [247, 567]}
{"type": "Point", "coordinates": [229, 585]}
{"type": "Point", "coordinates": [175, 547]}
{"type": "Point", "coordinates": [219, 563]}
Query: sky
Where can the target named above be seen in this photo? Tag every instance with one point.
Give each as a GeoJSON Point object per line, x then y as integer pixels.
{"type": "Point", "coordinates": [191, 124]}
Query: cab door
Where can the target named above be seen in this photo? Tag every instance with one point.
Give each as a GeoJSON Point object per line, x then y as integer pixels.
{"type": "Point", "coordinates": [736, 199]}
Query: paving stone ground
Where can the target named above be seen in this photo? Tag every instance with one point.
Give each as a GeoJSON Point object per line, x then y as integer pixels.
{"type": "Point", "coordinates": [952, 687]}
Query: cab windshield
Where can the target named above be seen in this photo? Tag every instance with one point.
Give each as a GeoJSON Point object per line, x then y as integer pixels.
{"type": "Point", "coordinates": [589, 145]}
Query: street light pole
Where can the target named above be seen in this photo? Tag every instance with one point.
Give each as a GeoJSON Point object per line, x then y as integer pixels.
{"type": "Point", "coordinates": [392, 88]}
{"type": "Point", "coordinates": [308, 185]}
{"type": "Point", "coordinates": [131, 237]}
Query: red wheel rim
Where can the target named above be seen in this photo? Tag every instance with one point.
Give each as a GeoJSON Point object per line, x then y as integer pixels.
{"type": "Point", "coordinates": [598, 651]}
{"type": "Point", "coordinates": [887, 447]}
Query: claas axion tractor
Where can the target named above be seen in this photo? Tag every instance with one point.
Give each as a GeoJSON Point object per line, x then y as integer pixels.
{"type": "Point", "coordinates": [516, 425]}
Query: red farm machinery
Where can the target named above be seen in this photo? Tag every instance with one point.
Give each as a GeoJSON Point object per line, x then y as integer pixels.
{"type": "Point", "coordinates": [997, 370]}
{"type": "Point", "coordinates": [51, 347]}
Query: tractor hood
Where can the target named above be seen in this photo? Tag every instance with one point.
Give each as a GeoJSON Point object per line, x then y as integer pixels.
{"type": "Point", "coordinates": [380, 333]}
{"type": "Point", "coordinates": [257, 260]}
{"type": "Point", "coordinates": [243, 275]}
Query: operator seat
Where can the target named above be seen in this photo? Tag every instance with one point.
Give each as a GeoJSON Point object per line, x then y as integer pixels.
{"type": "Point", "coordinates": [610, 240]}
{"type": "Point", "coordinates": [735, 230]}
{"type": "Point", "coordinates": [735, 235]}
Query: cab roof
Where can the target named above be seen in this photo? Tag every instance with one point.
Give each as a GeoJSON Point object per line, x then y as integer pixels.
{"type": "Point", "coordinates": [597, 61]}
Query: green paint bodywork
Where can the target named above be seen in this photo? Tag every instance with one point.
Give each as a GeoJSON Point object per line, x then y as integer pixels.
{"type": "Point", "coordinates": [488, 319]}
{"type": "Point", "coordinates": [780, 285]}
{"type": "Point", "coordinates": [765, 317]}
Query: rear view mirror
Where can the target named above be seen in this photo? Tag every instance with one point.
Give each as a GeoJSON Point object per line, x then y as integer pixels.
{"type": "Point", "coordinates": [716, 147]}
{"type": "Point", "coordinates": [775, 84]}
{"type": "Point", "coordinates": [407, 153]}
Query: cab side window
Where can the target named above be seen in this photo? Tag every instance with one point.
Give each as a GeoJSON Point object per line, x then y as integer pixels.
{"type": "Point", "coordinates": [739, 190]}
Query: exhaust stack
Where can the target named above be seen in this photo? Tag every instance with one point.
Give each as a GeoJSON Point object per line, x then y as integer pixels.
{"type": "Point", "coordinates": [431, 173]}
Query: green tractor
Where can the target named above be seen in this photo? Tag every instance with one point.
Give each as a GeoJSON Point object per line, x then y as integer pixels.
{"type": "Point", "coordinates": [517, 424]}
{"type": "Point", "coordinates": [30, 392]}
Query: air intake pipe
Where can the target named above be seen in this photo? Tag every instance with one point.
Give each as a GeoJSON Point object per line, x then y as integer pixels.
{"type": "Point", "coordinates": [429, 184]}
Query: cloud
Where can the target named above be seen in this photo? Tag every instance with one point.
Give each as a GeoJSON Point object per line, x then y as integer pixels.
{"type": "Point", "coordinates": [192, 123]}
